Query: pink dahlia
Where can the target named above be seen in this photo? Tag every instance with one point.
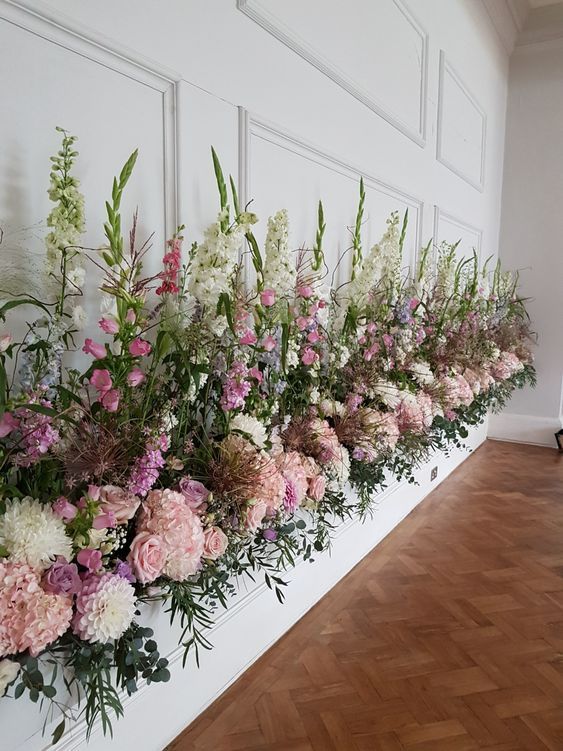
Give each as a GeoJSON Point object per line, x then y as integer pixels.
{"type": "Point", "coordinates": [296, 485]}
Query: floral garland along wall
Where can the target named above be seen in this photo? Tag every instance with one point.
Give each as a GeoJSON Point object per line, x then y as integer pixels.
{"type": "Point", "coordinates": [216, 429]}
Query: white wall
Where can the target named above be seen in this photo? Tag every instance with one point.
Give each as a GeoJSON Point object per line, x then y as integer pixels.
{"type": "Point", "coordinates": [299, 99]}
{"type": "Point", "coordinates": [532, 228]}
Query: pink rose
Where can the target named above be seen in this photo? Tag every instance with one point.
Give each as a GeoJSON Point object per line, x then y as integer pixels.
{"type": "Point", "coordinates": [135, 377]}
{"type": "Point", "coordinates": [101, 381]}
{"type": "Point", "coordinates": [8, 423]}
{"type": "Point", "coordinates": [98, 351]}
{"type": "Point", "coordinates": [139, 347]}
{"type": "Point", "coordinates": [317, 487]}
{"type": "Point", "coordinates": [268, 297]}
{"type": "Point", "coordinates": [215, 543]}
{"type": "Point", "coordinates": [64, 509]}
{"type": "Point", "coordinates": [90, 559]}
{"type": "Point", "coordinates": [269, 343]}
{"type": "Point", "coordinates": [110, 400]}
{"type": "Point", "coordinates": [309, 356]}
{"type": "Point", "coordinates": [147, 557]}
{"type": "Point", "coordinates": [255, 515]}
{"type": "Point", "coordinates": [194, 492]}
{"type": "Point", "coordinates": [5, 341]}
{"type": "Point", "coordinates": [120, 502]}
{"type": "Point", "coordinates": [108, 325]}
{"type": "Point", "coordinates": [305, 291]}
{"type": "Point", "coordinates": [249, 337]}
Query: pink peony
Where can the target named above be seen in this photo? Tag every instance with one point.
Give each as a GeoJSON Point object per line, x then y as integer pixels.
{"type": "Point", "coordinates": [30, 618]}
{"type": "Point", "coordinates": [101, 381]}
{"type": "Point", "coordinates": [135, 377]}
{"type": "Point", "coordinates": [108, 325]}
{"type": "Point", "coordinates": [215, 543]}
{"type": "Point", "coordinates": [98, 351]}
{"type": "Point", "coordinates": [147, 557]}
{"type": "Point", "coordinates": [139, 347]}
{"type": "Point", "coordinates": [267, 297]}
{"type": "Point", "coordinates": [121, 503]}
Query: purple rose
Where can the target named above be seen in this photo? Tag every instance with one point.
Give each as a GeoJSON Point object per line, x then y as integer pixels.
{"type": "Point", "coordinates": [194, 492]}
{"type": "Point", "coordinates": [62, 578]}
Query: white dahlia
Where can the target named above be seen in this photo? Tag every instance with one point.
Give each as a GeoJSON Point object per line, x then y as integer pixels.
{"type": "Point", "coordinates": [251, 427]}
{"type": "Point", "coordinates": [33, 534]}
{"type": "Point", "coordinates": [104, 608]}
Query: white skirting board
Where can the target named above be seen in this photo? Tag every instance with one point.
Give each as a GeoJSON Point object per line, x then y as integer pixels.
{"type": "Point", "coordinates": [157, 713]}
{"type": "Point", "coordinates": [538, 431]}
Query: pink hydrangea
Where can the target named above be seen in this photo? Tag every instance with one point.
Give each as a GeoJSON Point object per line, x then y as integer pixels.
{"type": "Point", "coordinates": [388, 430]}
{"type": "Point", "coordinates": [30, 618]}
{"type": "Point", "coordinates": [166, 515]}
{"type": "Point", "coordinates": [270, 487]}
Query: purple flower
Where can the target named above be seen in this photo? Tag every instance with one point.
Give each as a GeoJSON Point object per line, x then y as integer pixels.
{"type": "Point", "coordinates": [62, 578]}
{"type": "Point", "coordinates": [270, 535]}
{"type": "Point", "coordinates": [124, 571]}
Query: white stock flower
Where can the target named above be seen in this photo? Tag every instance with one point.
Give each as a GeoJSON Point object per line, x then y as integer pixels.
{"type": "Point", "coordinates": [32, 533]}
{"type": "Point", "coordinates": [79, 317]}
{"type": "Point", "coordinates": [251, 427]}
{"type": "Point", "coordinates": [279, 264]}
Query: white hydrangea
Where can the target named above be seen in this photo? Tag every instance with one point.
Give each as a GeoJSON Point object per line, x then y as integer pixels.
{"type": "Point", "coordinates": [279, 264]}
{"type": "Point", "coordinates": [251, 427]}
{"type": "Point", "coordinates": [214, 263]}
{"type": "Point", "coordinates": [33, 534]}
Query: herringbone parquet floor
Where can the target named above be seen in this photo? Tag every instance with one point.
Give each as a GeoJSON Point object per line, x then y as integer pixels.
{"type": "Point", "coordinates": [447, 637]}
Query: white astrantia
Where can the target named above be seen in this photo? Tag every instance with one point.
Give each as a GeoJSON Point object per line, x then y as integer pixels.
{"type": "Point", "coordinates": [280, 273]}
{"type": "Point", "coordinates": [32, 533]}
{"type": "Point", "coordinates": [251, 427]}
{"type": "Point", "coordinates": [213, 265]}
{"type": "Point", "coordinates": [9, 670]}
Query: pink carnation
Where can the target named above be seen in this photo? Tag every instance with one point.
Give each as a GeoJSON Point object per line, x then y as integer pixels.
{"type": "Point", "coordinates": [29, 617]}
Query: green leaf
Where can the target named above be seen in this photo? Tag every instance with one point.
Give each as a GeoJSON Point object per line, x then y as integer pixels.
{"type": "Point", "coordinates": [222, 187]}
{"type": "Point", "coordinates": [58, 732]}
{"type": "Point", "coordinates": [20, 688]}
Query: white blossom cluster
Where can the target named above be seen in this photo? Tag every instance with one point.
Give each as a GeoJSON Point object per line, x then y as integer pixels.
{"type": "Point", "coordinates": [279, 263]}
{"type": "Point", "coordinates": [422, 373]}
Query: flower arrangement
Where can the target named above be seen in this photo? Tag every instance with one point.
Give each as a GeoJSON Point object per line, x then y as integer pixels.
{"type": "Point", "coordinates": [216, 428]}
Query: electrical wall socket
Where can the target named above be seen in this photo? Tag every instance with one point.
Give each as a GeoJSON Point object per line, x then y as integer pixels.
{"type": "Point", "coordinates": [433, 473]}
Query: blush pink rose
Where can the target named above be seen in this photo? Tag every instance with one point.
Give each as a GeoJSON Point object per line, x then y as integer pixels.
{"type": "Point", "coordinates": [317, 487]}
{"type": "Point", "coordinates": [255, 515]}
{"type": "Point", "coordinates": [215, 543]}
{"type": "Point", "coordinates": [147, 557]}
{"type": "Point", "coordinates": [194, 492]}
{"type": "Point", "coordinates": [121, 503]}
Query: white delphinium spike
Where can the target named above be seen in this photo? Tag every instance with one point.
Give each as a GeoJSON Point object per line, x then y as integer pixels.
{"type": "Point", "coordinates": [279, 264]}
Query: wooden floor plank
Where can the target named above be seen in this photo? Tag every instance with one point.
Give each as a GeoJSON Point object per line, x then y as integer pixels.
{"type": "Point", "coordinates": [447, 636]}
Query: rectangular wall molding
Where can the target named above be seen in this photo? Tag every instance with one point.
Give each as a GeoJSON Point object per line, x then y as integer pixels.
{"type": "Point", "coordinates": [450, 229]}
{"type": "Point", "coordinates": [290, 36]}
{"type": "Point", "coordinates": [462, 127]}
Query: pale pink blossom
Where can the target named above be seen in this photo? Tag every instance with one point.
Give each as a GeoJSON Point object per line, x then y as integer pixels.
{"type": "Point", "coordinates": [135, 377]}
{"type": "Point", "coordinates": [98, 351]}
{"type": "Point", "coordinates": [139, 347]}
{"type": "Point", "coordinates": [108, 325]}
{"type": "Point", "coordinates": [101, 381]}
{"type": "Point", "coordinates": [121, 503]}
{"type": "Point", "coordinates": [110, 400]}
{"type": "Point", "coordinates": [215, 543]}
{"type": "Point", "coordinates": [268, 297]}
{"type": "Point", "coordinates": [147, 556]}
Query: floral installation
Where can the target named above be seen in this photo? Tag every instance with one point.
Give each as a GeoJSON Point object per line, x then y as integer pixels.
{"type": "Point", "coordinates": [218, 428]}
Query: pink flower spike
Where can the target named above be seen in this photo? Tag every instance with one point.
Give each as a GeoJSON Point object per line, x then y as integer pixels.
{"type": "Point", "coordinates": [64, 509]}
{"type": "Point", "coordinates": [313, 337]}
{"type": "Point", "coordinates": [269, 343]}
{"type": "Point", "coordinates": [110, 400]}
{"type": "Point", "coordinates": [249, 337]}
{"type": "Point", "coordinates": [90, 559]}
{"type": "Point", "coordinates": [268, 297]}
{"type": "Point", "coordinates": [130, 317]}
{"type": "Point", "coordinates": [305, 291]}
{"type": "Point", "coordinates": [101, 381]}
{"type": "Point", "coordinates": [135, 377]}
{"type": "Point", "coordinates": [8, 423]}
{"type": "Point", "coordinates": [139, 347]}
{"type": "Point", "coordinates": [98, 351]}
{"type": "Point", "coordinates": [302, 322]}
{"type": "Point", "coordinates": [309, 356]}
{"type": "Point", "coordinates": [255, 373]}
{"type": "Point", "coordinates": [108, 325]}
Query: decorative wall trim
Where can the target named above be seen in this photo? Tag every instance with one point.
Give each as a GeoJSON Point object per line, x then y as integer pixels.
{"type": "Point", "coordinates": [443, 216]}
{"type": "Point", "coordinates": [44, 22]}
{"type": "Point", "coordinates": [537, 431]}
{"type": "Point", "coordinates": [291, 39]}
{"type": "Point", "coordinates": [446, 69]}
{"type": "Point", "coordinates": [251, 126]}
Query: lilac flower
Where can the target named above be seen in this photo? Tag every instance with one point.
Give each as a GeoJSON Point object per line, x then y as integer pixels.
{"type": "Point", "coordinates": [236, 387]}
{"type": "Point", "coordinates": [123, 570]}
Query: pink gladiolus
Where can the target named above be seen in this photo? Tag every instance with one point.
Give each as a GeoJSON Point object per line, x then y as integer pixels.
{"type": "Point", "coordinates": [101, 381]}
{"type": "Point", "coordinates": [110, 400]}
{"type": "Point", "coordinates": [98, 351]}
{"type": "Point", "coordinates": [139, 347]}
{"type": "Point", "coordinates": [8, 423]}
{"type": "Point", "coordinates": [309, 356]}
{"type": "Point", "coordinates": [108, 325]}
{"type": "Point", "coordinates": [267, 297]}
{"type": "Point", "coordinates": [135, 377]}
{"type": "Point", "coordinates": [305, 291]}
{"type": "Point", "coordinates": [269, 343]}
{"type": "Point", "coordinates": [90, 559]}
{"type": "Point", "coordinates": [249, 337]}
